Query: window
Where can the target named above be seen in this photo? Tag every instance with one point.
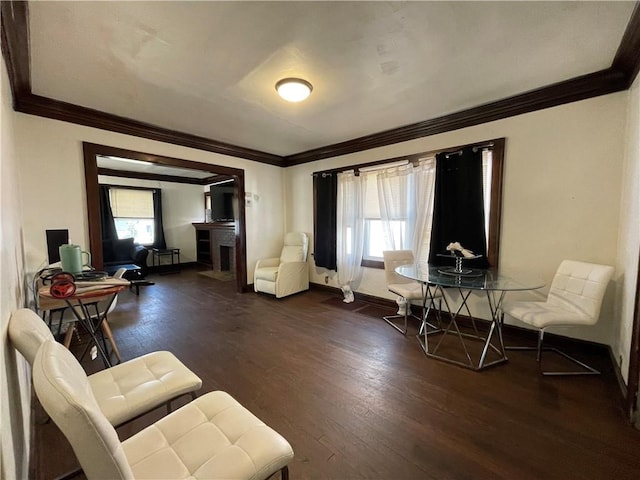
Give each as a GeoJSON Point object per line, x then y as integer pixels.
{"type": "Point", "coordinates": [375, 229]}
{"type": "Point", "coordinates": [133, 213]}
{"type": "Point", "coordinates": [374, 234]}
{"type": "Point", "coordinates": [207, 207]}
{"type": "Point", "coordinates": [392, 218]}
{"type": "Point", "coordinates": [374, 243]}
{"type": "Point", "coordinates": [487, 159]}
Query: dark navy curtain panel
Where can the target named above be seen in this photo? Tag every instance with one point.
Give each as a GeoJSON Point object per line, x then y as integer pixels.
{"type": "Point", "coordinates": [458, 210]}
{"type": "Point", "coordinates": [159, 241]}
{"type": "Point", "coordinates": [107, 222]}
{"type": "Point", "coordinates": [325, 205]}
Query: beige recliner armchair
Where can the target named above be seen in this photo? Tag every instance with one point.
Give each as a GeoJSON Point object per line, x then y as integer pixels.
{"type": "Point", "coordinates": [288, 274]}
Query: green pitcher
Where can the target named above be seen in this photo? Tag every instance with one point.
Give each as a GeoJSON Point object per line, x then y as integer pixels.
{"type": "Point", "coordinates": [71, 258]}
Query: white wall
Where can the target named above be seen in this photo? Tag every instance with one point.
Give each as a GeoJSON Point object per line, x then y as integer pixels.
{"type": "Point", "coordinates": [561, 194]}
{"type": "Point", "coordinates": [182, 204]}
{"type": "Point", "coordinates": [629, 239]}
{"type": "Point", "coordinates": [53, 192]}
{"type": "Point", "coordinates": [15, 383]}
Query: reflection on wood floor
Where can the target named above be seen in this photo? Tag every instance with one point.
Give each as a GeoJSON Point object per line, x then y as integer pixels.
{"type": "Point", "coordinates": [358, 400]}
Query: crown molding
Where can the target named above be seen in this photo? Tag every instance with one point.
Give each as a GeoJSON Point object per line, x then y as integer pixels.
{"type": "Point", "coordinates": [67, 112]}
{"type": "Point", "coordinates": [15, 49]}
{"type": "Point", "coordinates": [627, 58]}
{"type": "Point", "coordinates": [579, 88]}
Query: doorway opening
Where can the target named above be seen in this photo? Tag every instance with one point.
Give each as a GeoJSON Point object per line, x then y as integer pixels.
{"type": "Point", "coordinates": [173, 170]}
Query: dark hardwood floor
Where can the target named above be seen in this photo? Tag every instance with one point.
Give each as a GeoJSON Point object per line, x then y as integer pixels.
{"type": "Point", "coordinates": [358, 400]}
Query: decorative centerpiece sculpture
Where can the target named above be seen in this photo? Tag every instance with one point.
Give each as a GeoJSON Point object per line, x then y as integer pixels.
{"type": "Point", "coordinates": [460, 254]}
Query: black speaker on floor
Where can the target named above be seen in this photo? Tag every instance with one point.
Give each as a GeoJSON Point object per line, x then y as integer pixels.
{"type": "Point", "coordinates": [55, 238]}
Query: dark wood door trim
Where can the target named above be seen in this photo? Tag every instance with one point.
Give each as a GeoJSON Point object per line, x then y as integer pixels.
{"type": "Point", "coordinates": [90, 153]}
{"type": "Point", "coordinates": [633, 381]}
{"type": "Point", "coordinates": [15, 47]}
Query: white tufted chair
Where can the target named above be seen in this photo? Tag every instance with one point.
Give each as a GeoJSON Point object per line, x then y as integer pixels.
{"type": "Point", "coordinates": [212, 437]}
{"type": "Point", "coordinates": [287, 274]}
{"type": "Point", "coordinates": [125, 391]}
{"type": "Point", "coordinates": [405, 288]}
{"type": "Point", "coordinates": [574, 300]}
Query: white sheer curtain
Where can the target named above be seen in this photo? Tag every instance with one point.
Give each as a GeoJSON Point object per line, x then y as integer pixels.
{"type": "Point", "coordinates": [350, 232]}
{"type": "Point", "coordinates": [425, 182]}
{"type": "Point", "coordinates": [396, 191]}
{"type": "Point", "coordinates": [406, 196]}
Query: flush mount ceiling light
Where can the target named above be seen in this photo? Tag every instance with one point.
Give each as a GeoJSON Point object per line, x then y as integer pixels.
{"type": "Point", "coordinates": [294, 89]}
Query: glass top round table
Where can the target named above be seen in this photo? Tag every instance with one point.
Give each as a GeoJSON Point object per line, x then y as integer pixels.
{"type": "Point", "coordinates": [477, 280]}
{"type": "Point", "coordinates": [477, 345]}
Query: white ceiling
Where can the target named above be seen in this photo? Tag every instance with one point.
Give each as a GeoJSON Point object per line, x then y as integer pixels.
{"type": "Point", "coordinates": [209, 68]}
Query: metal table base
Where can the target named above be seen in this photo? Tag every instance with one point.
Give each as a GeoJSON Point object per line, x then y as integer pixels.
{"type": "Point", "coordinates": [452, 328]}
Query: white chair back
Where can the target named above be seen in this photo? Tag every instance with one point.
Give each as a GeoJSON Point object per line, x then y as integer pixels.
{"type": "Point", "coordinates": [392, 260]}
{"type": "Point", "coordinates": [64, 391]}
{"type": "Point", "coordinates": [27, 332]}
{"type": "Point", "coordinates": [120, 273]}
{"type": "Point", "coordinates": [580, 287]}
{"type": "Point", "coordinates": [296, 245]}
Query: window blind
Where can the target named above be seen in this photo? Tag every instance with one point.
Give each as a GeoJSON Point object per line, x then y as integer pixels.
{"type": "Point", "coordinates": [130, 203]}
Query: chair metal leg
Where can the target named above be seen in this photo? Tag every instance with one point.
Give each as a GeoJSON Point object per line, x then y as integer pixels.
{"type": "Point", "coordinates": [168, 406]}
{"type": "Point", "coordinates": [284, 473]}
{"type": "Point", "coordinates": [389, 319]}
{"type": "Point", "coordinates": [71, 474]}
{"type": "Point", "coordinates": [588, 370]}
{"type": "Point", "coordinates": [539, 347]}
{"type": "Point", "coordinates": [193, 396]}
